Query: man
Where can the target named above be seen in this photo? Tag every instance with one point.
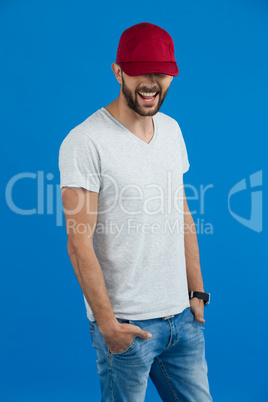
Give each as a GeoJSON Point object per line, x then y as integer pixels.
{"type": "Point", "coordinates": [125, 209]}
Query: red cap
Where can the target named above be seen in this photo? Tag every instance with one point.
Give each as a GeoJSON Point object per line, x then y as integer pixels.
{"type": "Point", "coordinates": [146, 48]}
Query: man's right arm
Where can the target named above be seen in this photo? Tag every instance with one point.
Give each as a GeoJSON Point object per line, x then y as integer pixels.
{"type": "Point", "coordinates": [81, 208]}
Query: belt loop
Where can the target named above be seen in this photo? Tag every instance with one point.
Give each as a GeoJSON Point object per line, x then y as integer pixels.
{"type": "Point", "coordinates": [168, 316]}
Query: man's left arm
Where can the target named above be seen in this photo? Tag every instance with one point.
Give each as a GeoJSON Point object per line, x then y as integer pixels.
{"type": "Point", "coordinates": [193, 269]}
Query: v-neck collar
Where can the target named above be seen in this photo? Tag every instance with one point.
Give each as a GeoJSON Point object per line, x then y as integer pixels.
{"type": "Point", "coordinates": [131, 135]}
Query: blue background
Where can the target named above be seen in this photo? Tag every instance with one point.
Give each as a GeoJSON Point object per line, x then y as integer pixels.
{"type": "Point", "coordinates": [55, 69]}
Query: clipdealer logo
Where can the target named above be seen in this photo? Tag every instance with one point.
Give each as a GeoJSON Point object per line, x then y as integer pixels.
{"type": "Point", "coordinates": [45, 195]}
{"type": "Point", "coordinates": [49, 201]}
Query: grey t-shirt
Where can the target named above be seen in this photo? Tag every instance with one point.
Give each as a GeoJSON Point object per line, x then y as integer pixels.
{"type": "Point", "coordinates": [139, 236]}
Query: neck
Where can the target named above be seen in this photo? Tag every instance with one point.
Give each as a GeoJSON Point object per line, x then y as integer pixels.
{"type": "Point", "coordinates": [142, 126]}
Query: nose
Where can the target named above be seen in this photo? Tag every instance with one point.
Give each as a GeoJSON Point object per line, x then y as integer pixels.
{"type": "Point", "coordinates": [150, 81]}
{"type": "Point", "coordinates": [151, 76]}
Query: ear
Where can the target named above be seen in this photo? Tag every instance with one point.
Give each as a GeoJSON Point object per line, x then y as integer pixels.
{"type": "Point", "coordinates": [117, 72]}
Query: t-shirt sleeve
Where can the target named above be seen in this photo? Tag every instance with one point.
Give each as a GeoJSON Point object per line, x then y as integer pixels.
{"type": "Point", "coordinates": [184, 154]}
{"type": "Point", "coordinates": [79, 162]}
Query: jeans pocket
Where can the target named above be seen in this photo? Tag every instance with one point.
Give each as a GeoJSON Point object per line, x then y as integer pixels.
{"type": "Point", "coordinates": [191, 310]}
{"type": "Point", "coordinates": [198, 322]}
{"type": "Point", "coordinates": [129, 348]}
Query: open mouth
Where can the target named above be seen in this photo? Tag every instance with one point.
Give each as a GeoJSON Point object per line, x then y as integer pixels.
{"type": "Point", "coordinates": [148, 97]}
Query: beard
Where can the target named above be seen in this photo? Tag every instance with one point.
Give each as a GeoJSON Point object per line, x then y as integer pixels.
{"type": "Point", "coordinates": [132, 101]}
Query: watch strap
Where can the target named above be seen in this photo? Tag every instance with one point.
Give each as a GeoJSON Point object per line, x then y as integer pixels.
{"type": "Point", "coordinates": [200, 295]}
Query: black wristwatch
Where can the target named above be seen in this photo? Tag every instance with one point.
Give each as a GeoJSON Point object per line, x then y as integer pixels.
{"type": "Point", "coordinates": [200, 295]}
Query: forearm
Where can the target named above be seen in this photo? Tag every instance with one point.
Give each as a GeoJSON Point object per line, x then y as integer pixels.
{"type": "Point", "coordinates": [193, 269]}
{"type": "Point", "coordinates": [90, 277]}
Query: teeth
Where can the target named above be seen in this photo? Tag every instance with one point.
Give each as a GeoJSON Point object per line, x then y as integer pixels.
{"type": "Point", "coordinates": [147, 94]}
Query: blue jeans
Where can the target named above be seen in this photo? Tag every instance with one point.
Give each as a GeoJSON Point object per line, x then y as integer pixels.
{"type": "Point", "coordinates": [174, 358]}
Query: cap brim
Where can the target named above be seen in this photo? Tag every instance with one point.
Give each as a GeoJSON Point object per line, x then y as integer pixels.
{"type": "Point", "coordinates": [148, 67]}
